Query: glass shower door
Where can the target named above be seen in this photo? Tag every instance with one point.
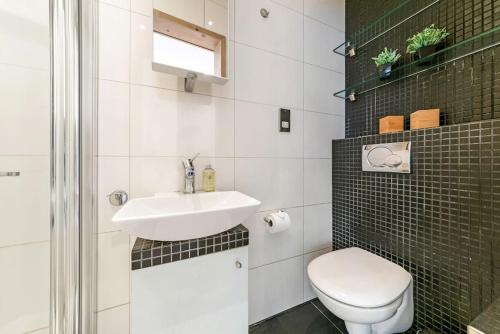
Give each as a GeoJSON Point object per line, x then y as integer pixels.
{"type": "Point", "coordinates": [47, 166]}
{"type": "Point", "coordinates": [24, 166]}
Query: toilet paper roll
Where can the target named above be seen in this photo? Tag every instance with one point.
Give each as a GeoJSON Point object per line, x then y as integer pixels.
{"type": "Point", "coordinates": [277, 222]}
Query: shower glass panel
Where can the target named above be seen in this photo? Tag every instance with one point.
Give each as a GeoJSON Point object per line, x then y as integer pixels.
{"type": "Point", "coordinates": [24, 166]}
{"type": "Point", "coordinates": [47, 166]}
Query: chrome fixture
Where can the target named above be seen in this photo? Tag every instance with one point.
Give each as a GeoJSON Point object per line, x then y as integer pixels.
{"type": "Point", "coordinates": [189, 82]}
{"type": "Point", "coordinates": [352, 96]}
{"type": "Point", "coordinates": [73, 166]}
{"type": "Point", "coordinates": [118, 198]}
{"type": "Point", "coordinates": [351, 50]}
{"type": "Point", "coordinates": [238, 264]}
{"type": "Point", "coordinates": [10, 173]}
{"type": "Point", "coordinates": [189, 174]}
{"type": "Point", "coordinates": [264, 13]}
{"type": "Point", "coordinates": [390, 157]}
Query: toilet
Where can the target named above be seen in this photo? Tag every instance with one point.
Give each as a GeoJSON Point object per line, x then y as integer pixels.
{"type": "Point", "coordinates": [371, 294]}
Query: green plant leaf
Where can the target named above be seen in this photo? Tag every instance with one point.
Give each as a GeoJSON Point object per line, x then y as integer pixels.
{"type": "Point", "coordinates": [429, 36]}
{"type": "Point", "coordinates": [387, 57]}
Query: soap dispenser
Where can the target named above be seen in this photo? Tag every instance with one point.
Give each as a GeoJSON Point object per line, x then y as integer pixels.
{"type": "Point", "coordinates": [208, 179]}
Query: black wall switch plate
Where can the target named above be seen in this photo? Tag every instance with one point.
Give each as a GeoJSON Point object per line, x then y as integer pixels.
{"type": "Point", "coordinates": [285, 120]}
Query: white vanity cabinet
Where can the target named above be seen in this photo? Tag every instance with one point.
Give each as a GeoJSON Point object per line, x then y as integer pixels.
{"type": "Point", "coordinates": [205, 294]}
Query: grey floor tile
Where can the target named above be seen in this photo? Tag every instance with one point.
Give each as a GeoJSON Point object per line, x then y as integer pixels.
{"type": "Point", "coordinates": [303, 319]}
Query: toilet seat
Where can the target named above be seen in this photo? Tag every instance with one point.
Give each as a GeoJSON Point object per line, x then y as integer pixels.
{"type": "Point", "coordinates": [358, 278]}
{"type": "Point", "coordinates": [371, 294]}
{"type": "Point", "coordinates": [368, 315]}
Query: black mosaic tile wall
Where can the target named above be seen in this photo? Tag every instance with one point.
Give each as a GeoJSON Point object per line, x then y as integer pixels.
{"type": "Point", "coordinates": [441, 222]}
{"type": "Point", "coordinates": [147, 253]}
{"type": "Point", "coordinates": [466, 90]}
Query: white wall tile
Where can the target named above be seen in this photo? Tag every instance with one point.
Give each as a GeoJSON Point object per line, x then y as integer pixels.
{"type": "Point", "coordinates": [319, 86]}
{"type": "Point", "coordinates": [265, 247]}
{"type": "Point", "coordinates": [144, 7]}
{"type": "Point", "coordinates": [113, 174]}
{"type": "Point", "coordinates": [41, 331]}
{"type": "Point", "coordinates": [113, 115]}
{"type": "Point", "coordinates": [192, 11]}
{"type": "Point", "coordinates": [114, 320]}
{"type": "Point", "coordinates": [169, 123]}
{"type": "Point", "coordinates": [274, 288]}
{"type": "Point", "coordinates": [24, 111]}
{"type": "Point", "coordinates": [268, 78]}
{"type": "Point", "coordinates": [257, 132]}
{"type": "Point", "coordinates": [296, 5]}
{"type": "Point", "coordinates": [217, 14]}
{"type": "Point", "coordinates": [308, 291]}
{"type": "Point", "coordinates": [114, 43]}
{"type": "Point", "coordinates": [319, 130]}
{"type": "Point", "coordinates": [151, 175]}
{"type": "Point", "coordinates": [319, 41]}
{"type": "Point", "coordinates": [283, 28]}
{"type": "Point", "coordinates": [125, 4]}
{"type": "Point", "coordinates": [205, 125]}
{"type": "Point", "coordinates": [154, 121]}
{"type": "Point", "coordinates": [277, 183]}
{"type": "Point", "coordinates": [24, 200]}
{"type": "Point", "coordinates": [25, 33]}
{"type": "Point", "coordinates": [230, 12]}
{"type": "Point", "coordinates": [317, 227]}
{"type": "Point", "coordinates": [113, 263]}
{"type": "Point", "coordinates": [317, 181]}
{"type": "Point", "coordinates": [24, 287]}
{"type": "Point", "coordinates": [331, 12]}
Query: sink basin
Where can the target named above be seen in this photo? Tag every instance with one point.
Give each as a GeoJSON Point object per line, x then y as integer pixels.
{"type": "Point", "coordinates": [177, 216]}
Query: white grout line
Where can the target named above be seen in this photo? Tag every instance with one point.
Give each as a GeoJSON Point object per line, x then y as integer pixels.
{"type": "Point", "coordinates": [25, 67]}
{"type": "Point", "coordinates": [277, 261]}
{"type": "Point", "coordinates": [35, 330]}
{"type": "Point", "coordinates": [30, 243]}
{"type": "Point", "coordinates": [112, 307]}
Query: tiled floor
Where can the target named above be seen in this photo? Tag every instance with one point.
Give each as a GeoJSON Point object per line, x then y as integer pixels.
{"type": "Point", "coordinates": [309, 318]}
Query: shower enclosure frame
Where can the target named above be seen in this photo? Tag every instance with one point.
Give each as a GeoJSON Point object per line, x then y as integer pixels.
{"type": "Point", "coordinates": [73, 247]}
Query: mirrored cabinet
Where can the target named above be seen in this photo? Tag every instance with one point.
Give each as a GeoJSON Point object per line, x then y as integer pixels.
{"type": "Point", "coordinates": [190, 40]}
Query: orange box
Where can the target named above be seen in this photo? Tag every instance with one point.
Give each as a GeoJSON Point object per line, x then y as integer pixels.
{"type": "Point", "coordinates": [390, 124]}
{"type": "Point", "coordinates": [421, 119]}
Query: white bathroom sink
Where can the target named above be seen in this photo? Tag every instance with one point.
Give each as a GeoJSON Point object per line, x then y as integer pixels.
{"type": "Point", "coordinates": [176, 216]}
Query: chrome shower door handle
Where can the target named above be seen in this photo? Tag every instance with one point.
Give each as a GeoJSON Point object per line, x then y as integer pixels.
{"type": "Point", "coordinates": [5, 174]}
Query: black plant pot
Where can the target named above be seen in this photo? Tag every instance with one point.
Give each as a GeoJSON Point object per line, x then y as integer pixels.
{"type": "Point", "coordinates": [385, 71]}
{"type": "Point", "coordinates": [425, 54]}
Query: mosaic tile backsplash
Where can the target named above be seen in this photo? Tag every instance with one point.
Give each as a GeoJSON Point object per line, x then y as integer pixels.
{"type": "Point", "coordinates": [147, 253]}
{"type": "Point", "coordinates": [466, 90]}
{"type": "Point", "coordinates": [441, 222]}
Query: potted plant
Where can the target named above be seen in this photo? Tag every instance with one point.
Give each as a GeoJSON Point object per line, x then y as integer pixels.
{"type": "Point", "coordinates": [385, 61]}
{"type": "Point", "coordinates": [426, 42]}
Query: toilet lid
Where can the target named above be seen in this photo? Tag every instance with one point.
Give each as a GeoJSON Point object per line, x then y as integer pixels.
{"type": "Point", "coordinates": [357, 277]}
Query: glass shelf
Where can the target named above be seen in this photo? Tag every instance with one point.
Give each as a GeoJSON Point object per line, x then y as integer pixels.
{"type": "Point", "coordinates": [381, 26]}
{"type": "Point", "coordinates": [481, 42]}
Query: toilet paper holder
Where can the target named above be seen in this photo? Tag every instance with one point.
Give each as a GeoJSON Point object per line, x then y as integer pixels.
{"type": "Point", "coordinates": [269, 221]}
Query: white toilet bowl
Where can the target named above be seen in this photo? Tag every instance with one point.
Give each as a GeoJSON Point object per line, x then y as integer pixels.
{"type": "Point", "coordinates": [372, 295]}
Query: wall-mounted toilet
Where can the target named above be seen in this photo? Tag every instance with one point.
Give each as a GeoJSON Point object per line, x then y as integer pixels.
{"type": "Point", "coordinates": [371, 294]}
